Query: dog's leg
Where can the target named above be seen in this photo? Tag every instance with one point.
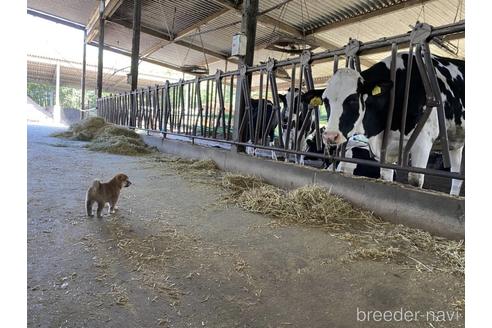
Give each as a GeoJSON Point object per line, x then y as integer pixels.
{"type": "Point", "coordinates": [88, 206]}
{"type": "Point", "coordinates": [112, 205]}
{"type": "Point", "coordinates": [100, 207]}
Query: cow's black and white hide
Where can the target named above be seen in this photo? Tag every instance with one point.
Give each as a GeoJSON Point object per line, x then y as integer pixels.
{"type": "Point", "coordinates": [255, 103]}
{"type": "Point", "coordinates": [357, 103]}
{"type": "Point", "coordinates": [299, 113]}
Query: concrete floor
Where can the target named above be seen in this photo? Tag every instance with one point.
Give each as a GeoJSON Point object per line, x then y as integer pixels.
{"type": "Point", "coordinates": [176, 256]}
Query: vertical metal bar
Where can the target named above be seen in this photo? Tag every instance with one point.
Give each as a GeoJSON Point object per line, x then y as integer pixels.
{"type": "Point", "coordinates": [57, 111]}
{"type": "Point", "coordinates": [167, 105]}
{"type": "Point", "coordinates": [198, 95]}
{"type": "Point", "coordinates": [223, 92]}
{"type": "Point", "coordinates": [221, 106]}
{"type": "Point", "coordinates": [335, 64]}
{"type": "Point", "coordinates": [260, 110]}
{"type": "Point", "coordinates": [207, 96]}
{"type": "Point", "coordinates": [231, 92]}
{"type": "Point", "coordinates": [215, 90]}
{"type": "Point", "coordinates": [290, 106]}
{"type": "Point", "coordinates": [137, 13]}
{"type": "Point", "coordinates": [100, 49]}
{"type": "Point", "coordinates": [391, 105]}
{"type": "Point", "coordinates": [266, 120]}
{"type": "Point", "coordinates": [310, 86]}
{"type": "Point", "coordinates": [82, 82]}
{"type": "Point", "coordinates": [299, 109]}
{"type": "Point", "coordinates": [405, 105]}
{"type": "Point", "coordinates": [415, 134]}
{"type": "Point", "coordinates": [188, 109]}
{"type": "Point", "coordinates": [443, 133]}
{"type": "Point", "coordinates": [276, 106]}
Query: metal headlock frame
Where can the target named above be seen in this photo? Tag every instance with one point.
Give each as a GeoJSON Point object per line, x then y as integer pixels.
{"type": "Point", "coordinates": [155, 109]}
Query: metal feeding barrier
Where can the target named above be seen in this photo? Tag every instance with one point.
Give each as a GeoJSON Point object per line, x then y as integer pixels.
{"type": "Point", "coordinates": [202, 108]}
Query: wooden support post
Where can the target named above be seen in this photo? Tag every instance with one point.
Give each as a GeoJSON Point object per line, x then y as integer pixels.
{"type": "Point", "coordinates": [82, 83]}
{"type": "Point", "coordinates": [101, 49]}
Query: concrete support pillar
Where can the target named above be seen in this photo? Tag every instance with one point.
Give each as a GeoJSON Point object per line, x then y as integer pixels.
{"type": "Point", "coordinates": [57, 107]}
{"type": "Point", "coordinates": [82, 83]}
{"type": "Point", "coordinates": [101, 49]}
{"type": "Point", "coordinates": [248, 28]}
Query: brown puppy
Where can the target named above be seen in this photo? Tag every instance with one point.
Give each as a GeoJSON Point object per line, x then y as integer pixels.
{"type": "Point", "coordinates": [102, 193]}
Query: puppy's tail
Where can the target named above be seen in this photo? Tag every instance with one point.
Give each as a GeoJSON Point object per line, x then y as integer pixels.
{"type": "Point", "coordinates": [95, 185]}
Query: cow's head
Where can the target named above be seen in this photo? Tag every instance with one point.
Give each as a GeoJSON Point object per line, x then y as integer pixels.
{"type": "Point", "coordinates": [347, 98]}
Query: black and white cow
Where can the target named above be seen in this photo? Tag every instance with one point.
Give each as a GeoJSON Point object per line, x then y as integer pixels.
{"type": "Point", "coordinates": [255, 103]}
{"type": "Point", "coordinates": [297, 120]}
{"type": "Point", "coordinates": [357, 103]}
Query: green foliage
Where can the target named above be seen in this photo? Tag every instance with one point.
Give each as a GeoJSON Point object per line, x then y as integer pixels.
{"type": "Point", "coordinates": [44, 95]}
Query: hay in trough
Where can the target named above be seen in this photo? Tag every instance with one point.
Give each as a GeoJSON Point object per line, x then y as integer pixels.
{"type": "Point", "coordinates": [106, 137]}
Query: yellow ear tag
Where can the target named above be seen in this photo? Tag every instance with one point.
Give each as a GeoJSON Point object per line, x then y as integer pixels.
{"type": "Point", "coordinates": [316, 101]}
{"type": "Point", "coordinates": [376, 90]}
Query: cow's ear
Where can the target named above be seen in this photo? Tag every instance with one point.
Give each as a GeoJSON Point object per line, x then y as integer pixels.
{"type": "Point", "coordinates": [283, 99]}
{"type": "Point", "coordinates": [313, 97]}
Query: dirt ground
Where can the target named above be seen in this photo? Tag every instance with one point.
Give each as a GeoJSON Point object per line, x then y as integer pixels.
{"type": "Point", "coordinates": [175, 255]}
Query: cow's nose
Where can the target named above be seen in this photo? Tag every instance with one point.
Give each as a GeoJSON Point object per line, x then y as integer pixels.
{"type": "Point", "coordinates": [332, 138]}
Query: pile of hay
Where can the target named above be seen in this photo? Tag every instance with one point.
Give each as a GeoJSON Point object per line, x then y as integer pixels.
{"type": "Point", "coordinates": [373, 238]}
{"type": "Point", "coordinates": [84, 130]}
{"type": "Point", "coordinates": [107, 137]}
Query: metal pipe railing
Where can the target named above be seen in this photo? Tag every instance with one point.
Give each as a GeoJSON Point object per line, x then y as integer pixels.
{"type": "Point", "coordinates": [181, 108]}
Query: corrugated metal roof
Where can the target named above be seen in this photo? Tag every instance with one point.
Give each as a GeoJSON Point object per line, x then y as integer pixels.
{"type": "Point", "coordinates": [436, 13]}
{"type": "Point", "coordinates": [167, 16]}
{"type": "Point", "coordinates": [121, 37]}
{"type": "Point", "coordinates": [170, 16]}
{"type": "Point", "coordinates": [43, 69]}
{"type": "Point", "coordinates": [309, 14]}
{"type": "Point", "coordinates": [77, 11]}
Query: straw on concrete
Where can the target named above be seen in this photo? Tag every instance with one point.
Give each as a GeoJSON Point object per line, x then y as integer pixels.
{"type": "Point", "coordinates": [373, 238]}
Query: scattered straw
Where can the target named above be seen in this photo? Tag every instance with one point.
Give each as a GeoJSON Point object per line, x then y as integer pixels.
{"type": "Point", "coordinates": [370, 237]}
{"type": "Point", "coordinates": [192, 170]}
{"type": "Point", "coordinates": [373, 238]}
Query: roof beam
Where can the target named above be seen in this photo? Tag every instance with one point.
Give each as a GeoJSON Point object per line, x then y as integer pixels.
{"type": "Point", "coordinates": [55, 19]}
{"type": "Point", "coordinates": [262, 17]}
{"type": "Point", "coordinates": [127, 53]}
{"type": "Point", "coordinates": [404, 4]}
{"type": "Point", "coordinates": [109, 9]}
{"type": "Point", "coordinates": [183, 33]}
{"type": "Point", "coordinates": [267, 20]}
{"type": "Point", "coordinates": [166, 37]}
